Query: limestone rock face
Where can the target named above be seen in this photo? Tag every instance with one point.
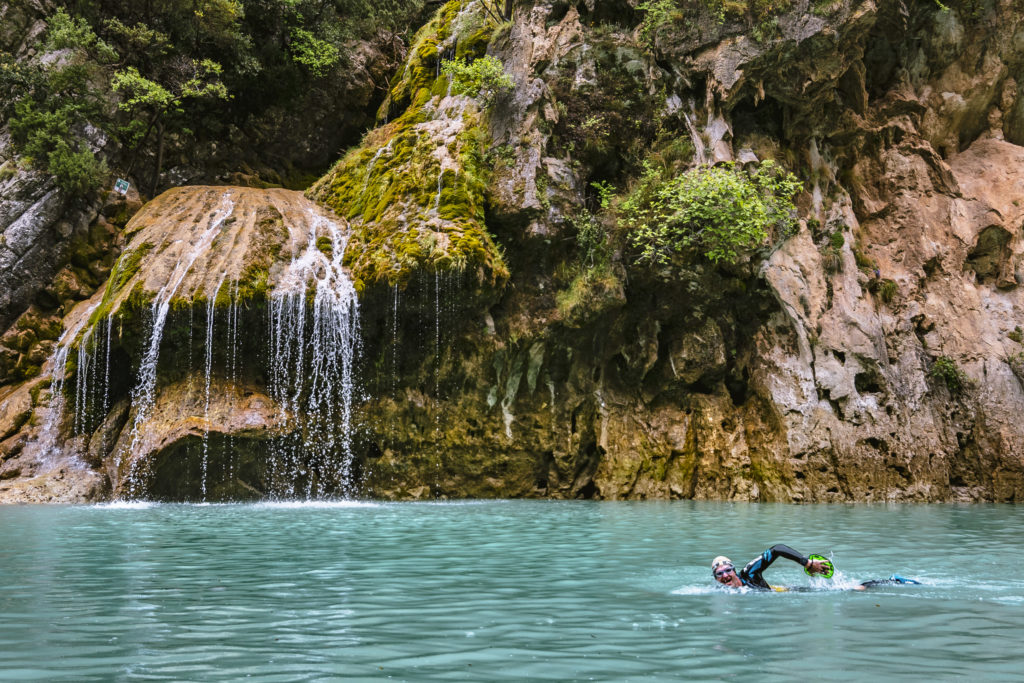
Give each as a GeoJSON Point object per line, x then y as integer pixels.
{"type": "Point", "coordinates": [512, 343]}
{"type": "Point", "coordinates": [874, 355]}
{"type": "Point", "coordinates": [181, 446]}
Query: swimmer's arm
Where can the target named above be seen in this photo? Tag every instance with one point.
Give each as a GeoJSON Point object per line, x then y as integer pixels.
{"type": "Point", "coordinates": [781, 550]}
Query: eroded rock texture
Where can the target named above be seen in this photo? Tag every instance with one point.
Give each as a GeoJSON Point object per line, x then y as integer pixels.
{"type": "Point", "coordinates": [808, 374]}
{"type": "Point", "coordinates": [875, 354]}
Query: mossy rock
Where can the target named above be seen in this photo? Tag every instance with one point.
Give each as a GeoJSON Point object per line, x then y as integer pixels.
{"type": "Point", "coordinates": [415, 190]}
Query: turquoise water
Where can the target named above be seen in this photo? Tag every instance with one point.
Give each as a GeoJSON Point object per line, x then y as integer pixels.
{"type": "Point", "coordinates": [506, 590]}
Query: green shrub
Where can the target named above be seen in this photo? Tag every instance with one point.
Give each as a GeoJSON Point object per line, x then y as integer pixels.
{"type": "Point", "coordinates": [945, 370]}
{"type": "Point", "coordinates": [1017, 335]}
{"type": "Point", "coordinates": [592, 240]}
{"type": "Point", "coordinates": [864, 262]}
{"type": "Point", "coordinates": [837, 240]}
{"type": "Point", "coordinates": [605, 193]}
{"type": "Point", "coordinates": [721, 211]}
{"type": "Point", "coordinates": [484, 77]}
{"type": "Point", "coordinates": [658, 14]}
{"type": "Point", "coordinates": [888, 291]}
{"type": "Point", "coordinates": [831, 259]}
{"type": "Point", "coordinates": [1016, 363]}
{"type": "Point", "coordinates": [316, 54]}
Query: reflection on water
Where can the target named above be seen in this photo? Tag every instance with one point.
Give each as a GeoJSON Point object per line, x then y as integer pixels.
{"type": "Point", "coordinates": [501, 591]}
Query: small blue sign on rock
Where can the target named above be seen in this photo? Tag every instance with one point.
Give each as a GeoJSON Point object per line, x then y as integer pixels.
{"type": "Point", "coordinates": [121, 186]}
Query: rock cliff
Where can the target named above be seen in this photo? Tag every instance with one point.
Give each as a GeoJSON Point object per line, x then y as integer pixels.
{"type": "Point", "coordinates": [514, 340]}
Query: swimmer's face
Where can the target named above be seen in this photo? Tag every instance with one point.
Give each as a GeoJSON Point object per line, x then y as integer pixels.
{"type": "Point", "coordinates": [726, 575]}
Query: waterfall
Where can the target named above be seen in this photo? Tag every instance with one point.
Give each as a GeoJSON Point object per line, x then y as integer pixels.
{"type": "Point", "coordinates": [395, 369]}
{"type": "Point", "coordinates": [373, 162]}
{"type": "Point", "coordinates": [208, 370]}
{"type": "Point", "coordinates": [143, 395]}
{"type": "Point", "coordinates": [315, 391]}
{"type": "Point", "coordinates": [45, 445]}
{"type": "Point", "coordinates": [86, 366]}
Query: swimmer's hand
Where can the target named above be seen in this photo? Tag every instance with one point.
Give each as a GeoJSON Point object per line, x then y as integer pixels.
{"type": "Point", "coordinates": [816, 566]}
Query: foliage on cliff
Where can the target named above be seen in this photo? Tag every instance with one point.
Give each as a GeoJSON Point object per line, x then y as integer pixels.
{"type": "Point", "coordinates": [184, 72]}
{"type": "Point", "coordinates": [721, 212]}
{"type": "Point", "coordinates": [415, 189]}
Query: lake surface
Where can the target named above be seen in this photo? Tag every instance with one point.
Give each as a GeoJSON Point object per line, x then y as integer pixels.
{"type": "Point", "coordinates": [504, 590]}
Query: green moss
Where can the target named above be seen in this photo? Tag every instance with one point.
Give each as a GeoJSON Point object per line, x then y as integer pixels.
{"type": "Point", "coordinates": [421, 69]}
{"type": "Point", "coordinates": [222, 298]}
{"type": "Point", "coordinates": [409, 210]}
{"type": "Point", "coordinates": [591, 292]}
{"type": "Point", "coordinates": [253, 285]}
{"type": "Point", "coordinates": [764, 473]}
{"type": "Point", "coordinates": [128, 265]}
{"type": "Point", "coordinates": [124, 270]}
{"type": "Point", "coordinates": [888, 291]}
{"type": "Point", "coordinates": [37, 389]}
{"type": "Point", "coordinates": [474, 45]}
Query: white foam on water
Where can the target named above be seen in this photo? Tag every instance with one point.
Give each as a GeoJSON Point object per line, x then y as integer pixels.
{"type": "Point", "coordinates": [701, 590]}
{"type": "Point", "coordinates": [126, 505]}
{"type": "Point", "coordinates": [313, 504]}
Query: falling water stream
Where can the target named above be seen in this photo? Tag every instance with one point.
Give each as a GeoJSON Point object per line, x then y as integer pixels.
{"type": "Point", "coordinates": [143, 394]}
{"type": "Point", "coordinates": [315, 392]}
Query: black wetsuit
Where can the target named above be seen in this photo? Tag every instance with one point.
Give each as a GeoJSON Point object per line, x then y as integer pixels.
{"type": "Point", "coordinates": [751, 574]}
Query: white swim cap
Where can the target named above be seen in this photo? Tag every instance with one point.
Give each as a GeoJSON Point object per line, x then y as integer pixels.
{"type": "Point", "coordinates": [719, 561]}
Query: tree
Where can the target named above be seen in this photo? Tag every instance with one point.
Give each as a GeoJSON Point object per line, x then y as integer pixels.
{"type": "Point", "coordinates": [53, 101]}
{"type": "Point", "coordinates": [152, 104]}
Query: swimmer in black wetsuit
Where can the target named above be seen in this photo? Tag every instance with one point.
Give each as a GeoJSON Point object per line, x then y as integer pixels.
{"type": "Point", "coordinates": [750, 576]}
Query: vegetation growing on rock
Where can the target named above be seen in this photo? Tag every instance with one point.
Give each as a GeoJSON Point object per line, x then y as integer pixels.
{"type": "Point", "coordinates": [414, 191]}
{"type": "Point", "coordinates": [721, 212]}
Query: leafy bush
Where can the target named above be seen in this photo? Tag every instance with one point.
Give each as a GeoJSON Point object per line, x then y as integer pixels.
{"type": "Point", "coordinates": [77, 170]}
{"type": "Point", "coordinates": [1017, 334]}
{"type": "Point", "coordinates": [658, 14]}
{"type": "Point", "coordinates": [1016, 363]}
{"type": "Point", "coordinates": [831, 259]}
{"type": "Point", "coordinates": [484, 77]}
{"type": "Point", "coordinates": [888, 291]}
{"type": "Point", "coordinates": [316, 54]}
{"type": "Point", "coordinates": [721, 212]}
{"type": "Point", "coordinates": [945, 370]}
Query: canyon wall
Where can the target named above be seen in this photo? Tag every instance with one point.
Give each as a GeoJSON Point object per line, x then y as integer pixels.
{"type": "Point", "coordinates": [513, 341]}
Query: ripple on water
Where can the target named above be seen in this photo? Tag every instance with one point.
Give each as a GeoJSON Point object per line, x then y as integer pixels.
{"type": "Point", "coordinates": [314, 504]}
{"type": "Point", "coordinates": [497, 591]}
